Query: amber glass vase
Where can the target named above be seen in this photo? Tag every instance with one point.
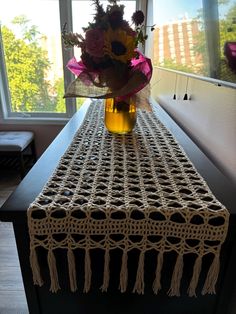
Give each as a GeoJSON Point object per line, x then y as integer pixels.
{"type": "Point", "coordinates": [120, 115]}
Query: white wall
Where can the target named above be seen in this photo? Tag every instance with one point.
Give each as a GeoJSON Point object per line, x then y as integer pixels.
{"type": "Point", "coordinates": [209, 117]}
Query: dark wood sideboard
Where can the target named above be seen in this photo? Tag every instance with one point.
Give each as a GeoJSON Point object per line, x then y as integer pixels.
{"type": "Point", "coordinates": [41, 301]}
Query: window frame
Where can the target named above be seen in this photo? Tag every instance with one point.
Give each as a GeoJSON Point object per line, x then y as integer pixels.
{"type": "Point", "coordinates": [5, 99]}
{"type": "Point", "coordinates": [210, 15]}
{"type": "Point", "coordinates": [7, 115]}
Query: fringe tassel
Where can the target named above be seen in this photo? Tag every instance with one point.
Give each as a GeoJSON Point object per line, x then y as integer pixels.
{"type": "Point", "coordinates": [139, 284]}
{"type": "Point", "coordinates": [176, 277]}
{"type": "Point", "coordinates": [87, 271]}
{"type": "Point", "coordinates": [157, 282]}
{"type": "Point", "coordinates": [124, 272]}
{"type": "Point", "coordinates": [53, 272]}
{"type": "Point", "coordinates": [72, 270]}
{"type": "Point", "coordinates": [195, 277]}
{"type": "Point", "coordinates": [106, 272]}
{"type": "Point", "coordinates": [212, 276]}
{"type": "Point", "coordinates": [35, 267]}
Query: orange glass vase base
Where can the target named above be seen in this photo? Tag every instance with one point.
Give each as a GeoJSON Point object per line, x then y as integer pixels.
{"type": "Point", "coordinates": [120, 115]}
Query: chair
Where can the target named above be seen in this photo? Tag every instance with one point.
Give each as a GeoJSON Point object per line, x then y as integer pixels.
{"type": "Point", "coordinates": [15, 144]}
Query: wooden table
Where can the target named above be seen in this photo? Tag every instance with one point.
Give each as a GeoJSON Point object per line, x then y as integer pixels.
{"type": "Point", "coordinates": [40, 300]}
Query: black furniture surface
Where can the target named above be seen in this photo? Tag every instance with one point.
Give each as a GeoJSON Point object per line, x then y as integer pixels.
{"type": "Point", "coordinates": [40, 300]}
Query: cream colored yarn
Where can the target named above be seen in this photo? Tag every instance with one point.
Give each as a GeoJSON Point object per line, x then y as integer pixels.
{"type": "Point", "coordinates": [141, 184]}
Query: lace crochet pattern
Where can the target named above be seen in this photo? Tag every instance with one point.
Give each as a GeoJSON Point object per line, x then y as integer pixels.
{"type": "Point", "coordinates": [140, 184]}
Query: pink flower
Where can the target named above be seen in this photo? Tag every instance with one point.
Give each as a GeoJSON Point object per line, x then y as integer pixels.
{"type": "Point", "coordinates": [94, 42]}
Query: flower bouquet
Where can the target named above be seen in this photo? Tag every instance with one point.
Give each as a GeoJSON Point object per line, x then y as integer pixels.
{"type": "Point", "coordinates": [111, 66]}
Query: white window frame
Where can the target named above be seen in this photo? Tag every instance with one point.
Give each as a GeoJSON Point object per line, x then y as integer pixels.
{"type": "Point", "coordinates": [8, 116]}
{"type": "Point", "coordinates": [5, 100]}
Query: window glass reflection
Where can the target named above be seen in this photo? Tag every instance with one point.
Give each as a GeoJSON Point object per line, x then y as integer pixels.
{"type": "Point", "coordinates": [196, 37]}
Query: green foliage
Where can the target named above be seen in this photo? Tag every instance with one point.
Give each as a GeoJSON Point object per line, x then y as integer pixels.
{"type": "Point", "coordinates": [30, 33]}
{"type": "Point", "coordinates": [27, 66]}
{"type": "Point", "coordinates": [227, 33]}
{"type": "Point", "coordinates": [200, 50]}
{"type": "Point", "coordinates": [223, 2]}
{"type": "Point", "coordinates": [171, 64]}
{"type": "Point", "coordinates": [79, 102]}
{"type": "Point", "coordinates": [227, 27]}
{"type": "Point", "coordinates": [60, 103]}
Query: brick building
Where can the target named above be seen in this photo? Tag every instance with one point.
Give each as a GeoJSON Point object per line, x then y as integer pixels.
{"type": "Point", "coordinates": [175, 41]}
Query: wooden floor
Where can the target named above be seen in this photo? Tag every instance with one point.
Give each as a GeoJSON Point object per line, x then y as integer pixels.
{"type": "Point", "coordinates": [12, 295]}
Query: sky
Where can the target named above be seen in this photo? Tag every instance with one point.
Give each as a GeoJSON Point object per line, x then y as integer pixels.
{"type": "Point", "coordinates": [45, 13]}
{"type": "Point", "coordinates": [172, 10]}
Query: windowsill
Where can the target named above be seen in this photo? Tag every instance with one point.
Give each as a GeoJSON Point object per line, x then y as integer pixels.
{"type": "Point", "coordinates": [34, 121]}
{"type": "Point", "coordinates": [38, 120]}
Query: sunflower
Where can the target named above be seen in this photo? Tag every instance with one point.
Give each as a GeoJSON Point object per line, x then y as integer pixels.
{"type": "Point", "coordinates": [119, 45]}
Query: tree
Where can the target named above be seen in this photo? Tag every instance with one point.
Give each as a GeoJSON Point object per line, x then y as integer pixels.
{"type": "Point", "coordinates": [171, 64]}
{"type": "Point", "coordinates": [227, 33]}
{"type": "Point", "coordinates": [60, 102]}
{"type": "Point", "coordinates": [27, 64]}
{"type": "Point", "coordinates": [227, 30]}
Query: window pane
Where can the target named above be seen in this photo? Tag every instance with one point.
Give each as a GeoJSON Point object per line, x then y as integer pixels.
{"type": "Point", "coordinates": [79, 102]}
{"type": "Point", "coordinates": [33, 55]}
{"type": "Point", "coordinates": [83, 13]}
{"type": "Point", "coordinates": [227, 25]}
{"type": "Point", "coordinates": [178, 36]}
{"type": "Point", "coordinates": [195, 36]}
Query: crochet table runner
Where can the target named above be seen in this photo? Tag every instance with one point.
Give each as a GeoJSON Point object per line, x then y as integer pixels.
{"type": "Point", "coordinates": [140, 184]}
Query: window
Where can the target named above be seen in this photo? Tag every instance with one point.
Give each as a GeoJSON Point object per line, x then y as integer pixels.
{"type": "Point", "coordinates": [204, 29]}
{"type": "Point", "coordinates": [189, 27]}
{"type": "Point", "coordinates": [32, 59]}
{"type": "Point", "coordinates": [176, 15]}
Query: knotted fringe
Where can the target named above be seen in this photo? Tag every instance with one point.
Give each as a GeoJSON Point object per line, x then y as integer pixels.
{"type": "Point", "coordinates": [124, 272]}
{"type": "Point", "coordinates": [157, 282]}
{"type": "Point", "coordinates": [53, 272]}
{"type": "Point", "coordinates": [195, 277]}
{"type": "Point", "coordinates": [72, 270]}
{"type": "Point", "coordinates": [139, 283]}
{"type": "Point", "coordinates": [212, 276]}
{"type": "Point", "coordinates": [35, 267]}
{"type": "Point", "coordinates": [176, 277]}
{"type": "Point", "coordinates": [87, 271]}
{"type": "Point", "coordinates": [106, 272]}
